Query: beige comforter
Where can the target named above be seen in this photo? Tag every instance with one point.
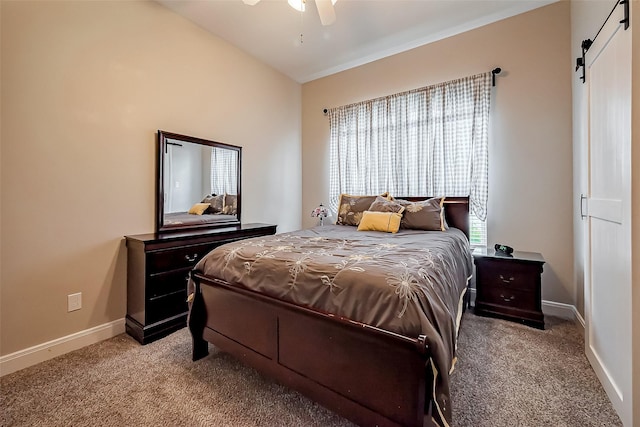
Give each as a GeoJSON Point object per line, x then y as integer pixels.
{"type": "Point", "coordinates": [410, 283]}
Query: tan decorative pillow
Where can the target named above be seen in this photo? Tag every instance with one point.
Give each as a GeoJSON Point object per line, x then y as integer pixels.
{"type": "Point", "coordinates": [216, 202]}
{"type": "Point", "coordinates": [199, 208]}
{"type": "Point", "coordinates": [382, 204]}
{"type": "Point", "coordinates": [388, 222]}
{"type": "Point", "coordinates": [423, 215]}
{"type": "Point", "coordinates": [350, 208]}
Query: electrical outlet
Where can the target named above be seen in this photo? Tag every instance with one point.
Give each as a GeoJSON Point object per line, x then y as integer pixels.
{"type": "Point", "coordinates": [74, 302]}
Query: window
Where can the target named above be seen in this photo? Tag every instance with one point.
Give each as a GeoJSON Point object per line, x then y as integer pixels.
{"type": "Point", "coordinates": [477, 231]}
{"type": "Point", "coordinates": [428, 141]}
{"type": "Point", "coordinates": [224, 171]}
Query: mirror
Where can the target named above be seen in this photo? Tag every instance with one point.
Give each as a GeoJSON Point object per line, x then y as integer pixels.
{"type": "Point", "coordinates": [198, 183]}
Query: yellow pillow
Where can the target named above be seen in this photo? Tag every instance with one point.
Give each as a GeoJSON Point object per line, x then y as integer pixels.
{"type": "Point", "coordinates": [199, 208]}
{"type": "Point", "coordinates": [380, 221]}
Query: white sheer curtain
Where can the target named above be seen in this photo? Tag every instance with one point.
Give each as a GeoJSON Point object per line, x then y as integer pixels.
{"type": "Point", "coordinates": [431, 141]}
{"type": "Point", "coordinates": [224, 171]}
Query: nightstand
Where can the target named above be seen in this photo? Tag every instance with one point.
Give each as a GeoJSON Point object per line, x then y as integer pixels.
{"type": "Point", "coordinates": [509, 286]}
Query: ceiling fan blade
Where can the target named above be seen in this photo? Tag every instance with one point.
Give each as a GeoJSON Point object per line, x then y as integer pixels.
{"type": "Point", "coordinates": [326, 11]}
{"type": "Point", "coordinates": [250, 2]}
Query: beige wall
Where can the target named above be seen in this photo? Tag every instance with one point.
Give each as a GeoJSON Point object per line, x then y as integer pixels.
{"type": "Point", "coordinates": [530, 181]}
{"type": "Point", "coordinates": [85, 86]}
{"type": "Point", "coordinates": [635, 207]}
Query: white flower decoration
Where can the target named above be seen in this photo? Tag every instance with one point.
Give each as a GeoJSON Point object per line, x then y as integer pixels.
{"type": "Point", "coordinates": [406, 286]}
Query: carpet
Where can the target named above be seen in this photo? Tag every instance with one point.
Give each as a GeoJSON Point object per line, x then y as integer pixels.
{"type": "Point", "coordinates": [507, 375]}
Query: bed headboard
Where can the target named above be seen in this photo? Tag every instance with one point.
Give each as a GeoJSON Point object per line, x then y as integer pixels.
{"type": "Point", "coordinates": [456, 211]}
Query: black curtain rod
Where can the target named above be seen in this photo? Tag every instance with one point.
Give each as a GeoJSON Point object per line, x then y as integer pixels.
{"type": "Point", "coordinates": [166, 148]}
{"type": "Point", "coordinates": [495, 71]}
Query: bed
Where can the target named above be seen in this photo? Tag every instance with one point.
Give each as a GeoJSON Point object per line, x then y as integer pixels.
{"type": "Point", "coordinates": [212, 209]}
{"type": "Point", "coordinates": [364, 323]}
{"type": "Point", "coordinates": [180, 219]}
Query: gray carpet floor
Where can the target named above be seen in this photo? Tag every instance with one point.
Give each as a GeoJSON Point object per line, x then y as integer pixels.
{"type": "Point", "coordinates": [507, 375]}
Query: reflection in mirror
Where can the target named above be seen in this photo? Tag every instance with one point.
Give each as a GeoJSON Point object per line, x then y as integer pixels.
{"type": "Point", "coordinates": [198, 183]}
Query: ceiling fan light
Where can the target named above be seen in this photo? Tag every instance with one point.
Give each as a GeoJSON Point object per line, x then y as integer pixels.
{"type": "Point", "coordinates": [250, 2]}
{"type": "Point", "coordinates": [297, 5]}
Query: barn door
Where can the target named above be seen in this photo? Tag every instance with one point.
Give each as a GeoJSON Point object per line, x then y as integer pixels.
{"type": "Point", "coordinates": [608, 209]}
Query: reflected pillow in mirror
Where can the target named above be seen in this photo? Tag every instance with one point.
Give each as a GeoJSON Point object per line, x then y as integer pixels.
{"type": "Point", "coordinates": [230, 204]}
{"type": "Point", "coordinates": [199, 208]}
{"type": "Point", "coordinates": [388, 222]}
{"type": "Point", "coordinates": [216, 202]}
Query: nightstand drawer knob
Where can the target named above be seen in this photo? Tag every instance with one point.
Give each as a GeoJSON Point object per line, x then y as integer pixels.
{"type": "Point", "coordinates": [509, 280]}
{"type": "Point", "coordinates": [191, 258]}
{"type": "Point", "coordinates": [505, 299]}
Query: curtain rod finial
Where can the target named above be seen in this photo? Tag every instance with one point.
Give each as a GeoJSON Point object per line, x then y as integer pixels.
{"type": "Point", "coordinates": [495, 71]}
{"type": "Point", "coordinates": [325, 111]}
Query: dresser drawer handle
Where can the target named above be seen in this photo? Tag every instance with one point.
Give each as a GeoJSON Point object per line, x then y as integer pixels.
{"type": "Point", "coordinates": [505, 299]}
{"type": "Point", "coordinates": [191, 258]}
{"type": "Point", "coordinates": [509, 280]}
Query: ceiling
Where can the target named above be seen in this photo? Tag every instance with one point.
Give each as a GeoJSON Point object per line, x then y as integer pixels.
{"type": "Point", "coordinates": [365, 30]}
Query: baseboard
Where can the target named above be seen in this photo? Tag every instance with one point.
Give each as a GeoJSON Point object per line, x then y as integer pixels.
{"type": "Point", "coordinates": [552, 308]}
{"type": "Point", "coordinates": [565, 311]}
{"type": "Point", "coordinates": [33, 355]}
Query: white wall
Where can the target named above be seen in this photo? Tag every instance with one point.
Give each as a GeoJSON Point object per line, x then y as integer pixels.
{"type": "Point", "coordinates": [183, 177]}
{"type": "Point", "coordinates": [635, 207]}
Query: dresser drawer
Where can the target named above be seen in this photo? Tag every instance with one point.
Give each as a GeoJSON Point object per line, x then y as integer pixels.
{"type": "Point", "coordinates": [508, 297]}
{"type": "Point", "coordinates": [518, 276]}
{"type": "Point", "coordinates": [172, 259]}
{"type": "Point", "coordinates": [165, 283]}
{"type": "Point", "coordinates": [160, 308]}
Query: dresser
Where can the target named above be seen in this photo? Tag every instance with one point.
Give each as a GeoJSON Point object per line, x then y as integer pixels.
{"type": "Point", "coordinates": [509, 286]}
{"type": "Point", "coordinates": [158, 267]}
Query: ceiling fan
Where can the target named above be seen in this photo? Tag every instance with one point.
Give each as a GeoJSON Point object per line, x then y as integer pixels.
{"type": "Point", "coordinates": [325, 8]}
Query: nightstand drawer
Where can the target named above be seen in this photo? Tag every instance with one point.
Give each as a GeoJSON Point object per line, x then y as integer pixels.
{"type": "Point", "coordinates": [509, 297]}
{"type": "Point", "coordinates": [171, 259]}
{"type": "Point", "coordinates": [514, 275]}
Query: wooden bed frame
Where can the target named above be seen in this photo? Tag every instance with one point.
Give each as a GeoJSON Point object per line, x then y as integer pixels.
{"type": "Point", "coordinates": [366, 374]}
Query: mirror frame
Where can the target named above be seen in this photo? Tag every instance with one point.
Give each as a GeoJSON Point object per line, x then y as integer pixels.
{"type": "Point", "coordinates": [161, 147]}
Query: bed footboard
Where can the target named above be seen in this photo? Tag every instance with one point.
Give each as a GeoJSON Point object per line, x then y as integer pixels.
{"type": "Point", "coordinates": [370, 376]}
